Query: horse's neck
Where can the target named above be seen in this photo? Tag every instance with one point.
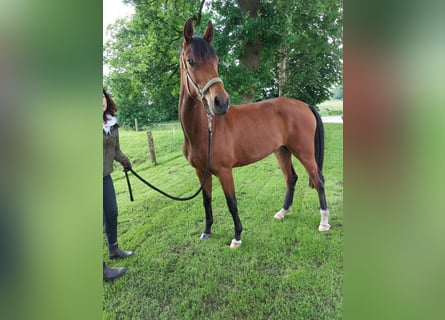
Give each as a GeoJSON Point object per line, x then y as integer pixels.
{"type": "Point", "coordinates": [192, 117]}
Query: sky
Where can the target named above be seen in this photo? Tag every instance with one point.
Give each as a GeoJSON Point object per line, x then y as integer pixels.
{"type": "Point", "coordinates": [112, 10]}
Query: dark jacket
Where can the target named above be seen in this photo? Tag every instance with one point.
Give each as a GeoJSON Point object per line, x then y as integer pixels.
{"type": "Point", "coordinates": [111, 150]}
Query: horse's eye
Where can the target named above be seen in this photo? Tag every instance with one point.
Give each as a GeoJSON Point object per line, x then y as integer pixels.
{"type": "Point", "coordinates": [190, 61]}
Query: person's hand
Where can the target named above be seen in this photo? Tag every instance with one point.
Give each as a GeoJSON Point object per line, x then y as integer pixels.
{"type": "Point", "coordinates": [127, 165]}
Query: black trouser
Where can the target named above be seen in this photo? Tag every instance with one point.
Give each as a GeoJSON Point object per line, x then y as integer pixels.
{"type": "Point", "coordinates": [110, 211]}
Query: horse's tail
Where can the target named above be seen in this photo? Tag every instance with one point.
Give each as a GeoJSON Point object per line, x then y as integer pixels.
{"type": "Point", "coordinates": [319, 145]}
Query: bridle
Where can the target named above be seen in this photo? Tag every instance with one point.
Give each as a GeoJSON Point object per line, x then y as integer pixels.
{"type": "Point", "coordinates": [200, 92]}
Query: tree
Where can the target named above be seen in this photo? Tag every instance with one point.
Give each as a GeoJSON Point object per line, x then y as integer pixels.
{"type": "Point", "coordinates": [142, 56]}
{"type": "Point", "coordinates": [266, 49]}
{"type": "Point", "coordinates": [338, 93]}
{"type": "Point", "coordinates": [286, 48]}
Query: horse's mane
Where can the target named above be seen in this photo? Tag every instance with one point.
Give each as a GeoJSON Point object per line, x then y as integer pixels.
{"type": "Point", "coordinates": [201, 49]}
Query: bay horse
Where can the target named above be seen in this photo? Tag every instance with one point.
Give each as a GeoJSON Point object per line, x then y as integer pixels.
{"type": "Point", "coordinates": [242, 134]}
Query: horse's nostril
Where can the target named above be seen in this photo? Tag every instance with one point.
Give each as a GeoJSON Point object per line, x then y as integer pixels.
{"type": "Point", "coordinates": [221, 102]}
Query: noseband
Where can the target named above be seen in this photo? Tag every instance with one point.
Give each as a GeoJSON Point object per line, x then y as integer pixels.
{"type": "Point", "coordinates": [200, 92]}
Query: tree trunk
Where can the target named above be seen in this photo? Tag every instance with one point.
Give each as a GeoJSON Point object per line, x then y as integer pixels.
{"type": "Point", "coordinates": [252, 49]}
{"type": "Point", "coordinates": [282, 77]}
{"type": "Point", "coordinates": [250, 7]}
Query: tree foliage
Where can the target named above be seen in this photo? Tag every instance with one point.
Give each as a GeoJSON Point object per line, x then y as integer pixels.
{"type": "Point", "coordinates": [266, 49]}
{"type": "Point", "coordinates": [338, 93]}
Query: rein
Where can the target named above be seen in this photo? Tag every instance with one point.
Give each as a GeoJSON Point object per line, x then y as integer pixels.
{"type": "Point", "coordinates": [209, 131]}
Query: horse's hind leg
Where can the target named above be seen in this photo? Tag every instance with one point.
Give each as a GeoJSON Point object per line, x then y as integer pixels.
{"type": "Point", "coordinates": [285, 161]}
{"type": "Point", "coordinates": [207, 202]}
{"type": "Point", "coordinates": [308, 161]}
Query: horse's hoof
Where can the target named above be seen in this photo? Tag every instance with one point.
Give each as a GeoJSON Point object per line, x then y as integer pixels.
{"type": "Point", "coordinates": [280, 214]}
{"type": "Point", "coordinates": [205, 236]}
{"type": "Point", "coordinates": [324, 227]}
{"type": "Point", "coordinates": [235, 244]}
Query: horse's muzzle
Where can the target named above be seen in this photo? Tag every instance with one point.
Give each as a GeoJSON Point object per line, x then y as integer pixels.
{"type": "Point", "coordinates": [220, 105]}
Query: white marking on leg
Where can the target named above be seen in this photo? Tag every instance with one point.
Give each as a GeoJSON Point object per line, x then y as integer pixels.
{"type": "Point", "coordinates": [280, 214]}
{"type": "Point", "coordinates": [324, 221]}
{"type": "Point", "coordinates": [235, 243]}
{"type": "Point", "coordinates": [205, 236]}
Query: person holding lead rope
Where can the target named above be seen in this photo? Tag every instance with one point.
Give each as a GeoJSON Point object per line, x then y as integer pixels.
{"type": "Point", "coordinates": [111, 152]}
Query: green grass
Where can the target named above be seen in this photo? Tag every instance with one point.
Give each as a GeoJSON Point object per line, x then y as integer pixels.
{"type": "Point", "coordinates": [283, 270]}
{"type": "Point", "coordinates": [332, 107]}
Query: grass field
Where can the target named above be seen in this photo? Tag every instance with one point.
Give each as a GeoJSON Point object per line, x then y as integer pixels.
{"type": "Point", "coordinates": [283, 270]}
{"type": "Point", "coordinates": [332, 107]}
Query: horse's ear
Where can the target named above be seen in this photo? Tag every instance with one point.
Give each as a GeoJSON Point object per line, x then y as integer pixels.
{"type": "Point", "coordinates": [209, 33]}
{"type": "Point", "coordinates": [188, 30]}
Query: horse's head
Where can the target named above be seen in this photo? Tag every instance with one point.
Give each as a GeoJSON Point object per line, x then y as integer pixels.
{"type": "Point", "coordinates": [200, 67]}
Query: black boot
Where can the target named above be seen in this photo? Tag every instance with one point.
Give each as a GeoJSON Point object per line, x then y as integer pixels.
{"type": "Point", "coordinates": [113, 273]}
{"type": "Point", "coordinates": [115, 252]}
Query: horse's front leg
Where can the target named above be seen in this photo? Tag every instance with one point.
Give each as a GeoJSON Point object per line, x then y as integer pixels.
{"type": "Point", "coordinates": [207, 202]}
{"type": "Point", "coordinates": [226, 179]}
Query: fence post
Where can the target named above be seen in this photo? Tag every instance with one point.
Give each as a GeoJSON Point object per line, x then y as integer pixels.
{"type": "Point", "coordinates": [136, 124]}
{"type": "Point", "coordinates": [151, 146]}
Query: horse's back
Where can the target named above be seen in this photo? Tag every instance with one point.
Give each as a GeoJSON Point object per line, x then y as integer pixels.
{"type": "Point", "coordinates": [275, 105]}
{"type": "Point", "coordinates": [285, 110]}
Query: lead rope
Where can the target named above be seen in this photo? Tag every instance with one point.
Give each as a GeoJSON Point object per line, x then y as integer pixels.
{"type": "Point", "coordinates": [209, 139]}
